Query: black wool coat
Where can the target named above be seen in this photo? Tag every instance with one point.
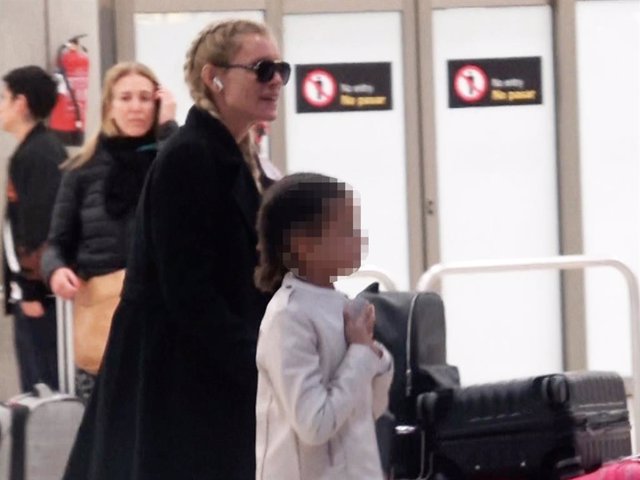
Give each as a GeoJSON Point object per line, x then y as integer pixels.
{"type": "Point", "coordinates": [175, 398]}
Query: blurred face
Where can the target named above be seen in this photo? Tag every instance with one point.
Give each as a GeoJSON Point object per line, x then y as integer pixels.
{"type": "Point", "coordinates": [12, 109]}
{"type": "Point", "coordinates": [338, 250]}
{"type": "Point", "coordinates": [133, 107]}
{"type": "Point", "coordinates": [243, 99]}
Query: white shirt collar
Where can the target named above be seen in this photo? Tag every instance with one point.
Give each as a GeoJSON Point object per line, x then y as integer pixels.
{"type": "Point", "coordinates": [290, 279]}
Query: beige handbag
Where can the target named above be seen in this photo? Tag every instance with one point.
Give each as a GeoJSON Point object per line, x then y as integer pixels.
{"type": "Point", "coordinates": [93, 308]}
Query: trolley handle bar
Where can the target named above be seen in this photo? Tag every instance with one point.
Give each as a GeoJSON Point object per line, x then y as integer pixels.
{"type": "Point", "coordinates": [428, 279]}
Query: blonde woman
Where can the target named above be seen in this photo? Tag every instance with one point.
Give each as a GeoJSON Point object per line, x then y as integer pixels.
{"type": "Point", "coordinates": [175, 397]}
{"type": "Point", "coordinates": [92, 221]}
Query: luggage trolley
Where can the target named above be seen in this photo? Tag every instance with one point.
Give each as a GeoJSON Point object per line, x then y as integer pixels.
{"type": "Point", "coordinates": [428, 280]}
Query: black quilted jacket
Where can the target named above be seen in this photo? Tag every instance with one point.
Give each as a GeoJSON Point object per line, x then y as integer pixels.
{"type": "Point", "coordinates": [86, 234]}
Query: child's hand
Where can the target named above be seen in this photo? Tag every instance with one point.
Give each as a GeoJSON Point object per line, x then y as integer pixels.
{"type": "Point", "coordinates": [371, 322]}
{"type": "Point", "coordinates": [359, 328]}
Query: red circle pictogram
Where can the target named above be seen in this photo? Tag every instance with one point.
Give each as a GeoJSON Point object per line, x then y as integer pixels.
{"type": "Point", "coordinates": [470, 83]}
{"type": "Point", "coordinates": [319, 88]}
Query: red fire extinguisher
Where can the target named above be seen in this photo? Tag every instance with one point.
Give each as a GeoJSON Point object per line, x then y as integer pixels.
{"type": "Point", "coordinates": [72, 72]}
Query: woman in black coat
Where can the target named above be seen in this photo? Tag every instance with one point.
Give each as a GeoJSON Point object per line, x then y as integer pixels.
{"type": "Point", "coordinates": [175, 398]}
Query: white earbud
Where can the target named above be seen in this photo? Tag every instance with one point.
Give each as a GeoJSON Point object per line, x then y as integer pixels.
{"type": "Point", "coordinates": [218, 83]}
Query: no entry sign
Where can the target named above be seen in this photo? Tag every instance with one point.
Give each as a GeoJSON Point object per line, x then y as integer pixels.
{"type": "Point", "coordinates": [493, 82]}
{"type": "Point", "coordinates": [319, 88]}
{"type": "Point", "coordinates": [343, 87]}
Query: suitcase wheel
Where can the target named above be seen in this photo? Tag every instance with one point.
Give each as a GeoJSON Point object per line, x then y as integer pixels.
{"type": "Point", "coordinates": [568, 468]}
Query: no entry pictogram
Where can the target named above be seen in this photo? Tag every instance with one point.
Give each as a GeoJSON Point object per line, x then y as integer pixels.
{"type": "Point", "coordinates": [471, 83]}
{"type": "Point", "coordinates": [319, 88]}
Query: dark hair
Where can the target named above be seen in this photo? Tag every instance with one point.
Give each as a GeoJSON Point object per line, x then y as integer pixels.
{"type": "Point", "coordinates": [38, 87]}
{"type": "Point", "coordinates": [298, 201]}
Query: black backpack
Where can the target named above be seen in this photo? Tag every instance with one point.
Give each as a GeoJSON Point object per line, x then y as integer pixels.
{"type": "Point", "coordinates": [412, 327]}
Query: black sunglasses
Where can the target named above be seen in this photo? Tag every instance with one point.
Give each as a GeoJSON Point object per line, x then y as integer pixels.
{"type": "Point", "coordinates": [265, 70]}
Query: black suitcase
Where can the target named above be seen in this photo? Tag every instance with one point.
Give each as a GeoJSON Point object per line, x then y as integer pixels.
{"type": "Point", "coordinates": [546, 427]}
{"type": "Point", "coordinates": [412, 327]}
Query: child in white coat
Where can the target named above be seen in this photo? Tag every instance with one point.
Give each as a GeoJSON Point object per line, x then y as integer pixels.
{"type": "Point", "coordinates": [322, 379]}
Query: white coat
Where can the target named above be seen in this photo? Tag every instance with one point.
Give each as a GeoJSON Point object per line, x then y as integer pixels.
{"type": "Point", "coordinates": [317, 396]}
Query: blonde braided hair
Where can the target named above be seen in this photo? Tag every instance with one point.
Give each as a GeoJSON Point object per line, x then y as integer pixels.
{"type": "Point", "coordinates": [217, 44]}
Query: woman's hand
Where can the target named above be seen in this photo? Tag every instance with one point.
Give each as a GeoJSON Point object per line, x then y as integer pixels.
{"type": "Point", "coordinates": [167, 105]}
{"type": "Point", "coordinates": [64, 283]}
{"type": "Point", "coordinates": [359, 328]}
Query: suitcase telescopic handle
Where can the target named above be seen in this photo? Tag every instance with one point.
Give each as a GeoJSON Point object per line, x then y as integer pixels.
{"type": "Point", "coordinates": [429, 279]}
{"type": "Point", "coordinates": [66, 363]}
{"type": "Point", "coordinates": [42, 390]}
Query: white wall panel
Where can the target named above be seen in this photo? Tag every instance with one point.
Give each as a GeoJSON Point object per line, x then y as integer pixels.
{"type": "Point", "coordinates": [608, 43]}
{"type": "Point", "coordinates": [497, 199]}
{"type": "Point", "coordinates": [365, 149]}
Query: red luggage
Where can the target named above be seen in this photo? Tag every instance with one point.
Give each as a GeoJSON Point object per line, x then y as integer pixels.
{"type": "Point", "coordinates": [625, 469]}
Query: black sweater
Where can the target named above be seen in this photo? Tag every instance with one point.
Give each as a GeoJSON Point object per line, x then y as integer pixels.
{"type": "Point", "coordinates": [33, 181]}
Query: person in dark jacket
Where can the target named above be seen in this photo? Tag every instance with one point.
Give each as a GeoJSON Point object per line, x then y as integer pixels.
{"type": "Point", "coordinates": [175, 397]}
{"type": "Point", "coordinates": [93, 218]}
{"type": "Point", "coordinates": [28, 97]}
